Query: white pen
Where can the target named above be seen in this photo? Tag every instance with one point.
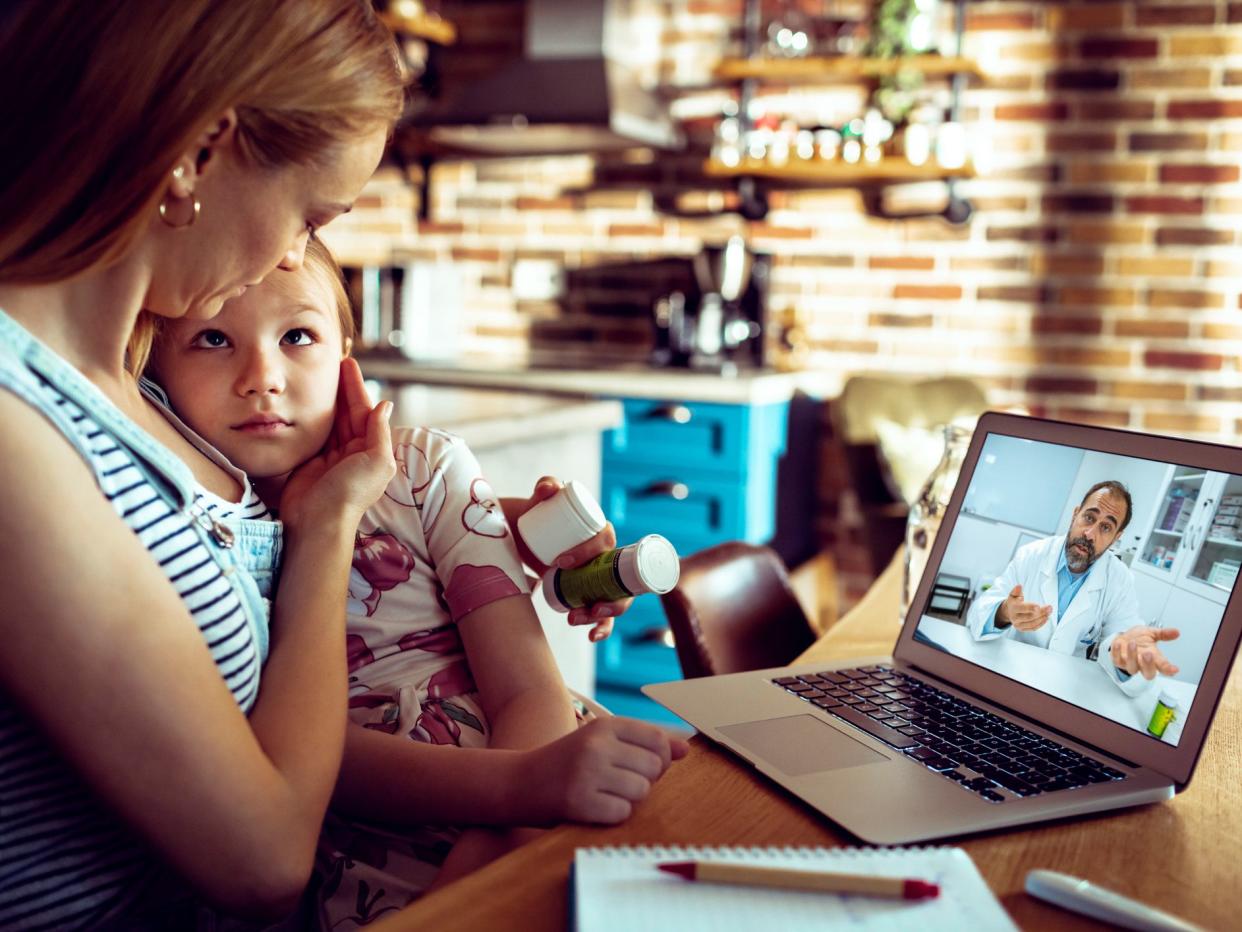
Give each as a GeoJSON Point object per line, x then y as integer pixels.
{"type": "Point", "coordinates": [1084, 897]}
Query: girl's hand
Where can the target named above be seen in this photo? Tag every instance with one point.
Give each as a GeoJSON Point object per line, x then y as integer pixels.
{"type": "Point", "coordinates": [597, 773]}
{"type": "Point", "coordinates": [355, 465]}
{"type": "Point", "coordinates": [599, 615]}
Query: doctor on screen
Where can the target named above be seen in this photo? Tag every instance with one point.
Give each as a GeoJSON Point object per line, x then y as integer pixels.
{"type": "Point", "coordinates": [1058, 593]}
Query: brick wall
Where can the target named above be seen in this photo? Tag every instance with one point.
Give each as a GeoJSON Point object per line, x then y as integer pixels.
{"type": "Point", "coordinates": [1098, 281]}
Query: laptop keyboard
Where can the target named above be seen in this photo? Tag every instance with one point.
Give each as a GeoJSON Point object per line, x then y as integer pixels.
{"type": "Point", "coordinates": [982, 752]}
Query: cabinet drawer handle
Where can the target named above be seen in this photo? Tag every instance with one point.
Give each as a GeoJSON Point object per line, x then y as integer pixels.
{"type": "Point", "coordinates": [678, 491]}
{"type": "Point", "coordinates": [655, 635]}
{"type": "Point", "coordinates": [678, 414]}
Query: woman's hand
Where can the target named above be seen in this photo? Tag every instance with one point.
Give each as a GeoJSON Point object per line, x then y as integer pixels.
{"type": "Point", "coordinates": [600, 771]}
{"type": "Point", "coordinates": [599, 615]}
{"type": "Point", "coordinates": [355, 465]}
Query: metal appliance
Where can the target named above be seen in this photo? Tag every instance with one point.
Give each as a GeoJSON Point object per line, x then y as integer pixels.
{"type": "Point", "coordinates": [719, 324]}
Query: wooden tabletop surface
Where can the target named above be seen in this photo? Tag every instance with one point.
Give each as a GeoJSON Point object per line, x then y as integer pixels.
{"type": "Point", "coordinates": [1184, 856]}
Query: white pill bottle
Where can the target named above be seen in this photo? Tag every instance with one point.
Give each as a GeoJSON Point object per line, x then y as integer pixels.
{"type": "Point", "coordinates": [570, 517]}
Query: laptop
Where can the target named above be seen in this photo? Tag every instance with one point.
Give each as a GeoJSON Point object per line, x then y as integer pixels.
{"type": "Point", "coordinates": [974, 724]}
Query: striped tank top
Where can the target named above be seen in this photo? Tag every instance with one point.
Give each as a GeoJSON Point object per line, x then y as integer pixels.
{"type": "Point", "coordinates": [65, 860]}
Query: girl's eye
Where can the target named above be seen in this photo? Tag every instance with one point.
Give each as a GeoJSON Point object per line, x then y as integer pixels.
{"type": "Point", "coordinates": [298, 337]}
{"type": "Point", "coordinates": [210, 339]}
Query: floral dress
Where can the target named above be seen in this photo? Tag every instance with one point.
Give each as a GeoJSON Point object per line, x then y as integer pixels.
{"type": "Point", "coordinates": [433, 549]}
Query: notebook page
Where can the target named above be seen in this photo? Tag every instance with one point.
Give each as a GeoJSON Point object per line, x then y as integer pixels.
{"type": "Point", "coordinates": [621, 889]}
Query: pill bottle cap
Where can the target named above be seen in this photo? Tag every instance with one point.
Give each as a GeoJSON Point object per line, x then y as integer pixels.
{"type": "Point", "coordinates": [1167, 699]}
{"type": "Point", "coordinates": [583, 506]}
{"type": "Point", "coordinates": [657, 564]}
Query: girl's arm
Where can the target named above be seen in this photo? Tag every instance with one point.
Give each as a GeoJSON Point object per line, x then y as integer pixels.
{"type": "Point", "coordinates": [591, 774]}
{"type": "Point", "coordinates": [600, 615]}
{"type": "Point", "coordinates": [539, 768]}
{"type": "Point", "coordinates": [392, 778]}
{"type": "Point", "coordinates": [526, 703]}
{"type": "Point", "coordinates": [102, 654]}
{"type": "Point", "coordinates": [519, 685]}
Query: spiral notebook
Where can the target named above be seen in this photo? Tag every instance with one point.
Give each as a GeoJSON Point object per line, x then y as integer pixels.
{"type": "Point", "coordinates": [621, 889]}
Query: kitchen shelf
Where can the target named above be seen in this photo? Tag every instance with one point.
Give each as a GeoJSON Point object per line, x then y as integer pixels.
{"type": "Point", "coordinates": [836, 171]}
{"type": "Point", "coordinates": [1166, 533]}
{"type": "Point", "coordinates": [841, 67]}
{"type": "Point", "coordinates": [1225, 541]}
{"type": "Point", "coordinates": [427, 26]}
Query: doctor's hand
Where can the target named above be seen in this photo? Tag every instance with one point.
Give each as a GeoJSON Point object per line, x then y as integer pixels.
{"type": "Point", "coordinates": [1025, 616]}
{"type": "Point", "coordinates": [1135, 651]}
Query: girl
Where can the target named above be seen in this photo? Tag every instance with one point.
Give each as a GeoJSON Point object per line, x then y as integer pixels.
{"type": "Point", "coordinates": [174, 155]}
{"type": "Point", "coordinates": [444, 644]}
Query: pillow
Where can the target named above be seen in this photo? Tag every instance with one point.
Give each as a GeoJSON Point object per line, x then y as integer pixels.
{"type": "Point", "coordinates": [909, 453]}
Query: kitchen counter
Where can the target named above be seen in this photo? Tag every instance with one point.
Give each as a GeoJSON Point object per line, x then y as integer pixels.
{"type": "Point", "coordinates": [487, 419]}
{"type": "Point", "coordinates": [569, 375]}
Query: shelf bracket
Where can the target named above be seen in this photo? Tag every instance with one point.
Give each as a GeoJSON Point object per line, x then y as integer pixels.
{"type": "Point", "coordinates": [957, 210]}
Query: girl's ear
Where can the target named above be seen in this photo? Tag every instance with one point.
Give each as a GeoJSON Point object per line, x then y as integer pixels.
{"type": "Point", "coordinates": [349, 347]}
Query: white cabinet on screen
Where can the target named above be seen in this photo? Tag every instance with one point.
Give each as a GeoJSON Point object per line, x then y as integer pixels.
{"type": "Point", "coordinates": [1193, 542]}
{"type": "Point", "coordinates": [1153, 595]}
{"type": "Point", "coordinates": [1194, 617]}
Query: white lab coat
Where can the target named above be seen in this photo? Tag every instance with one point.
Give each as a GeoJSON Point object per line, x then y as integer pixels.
{"type": "Point", "coordinates": [1104, 607]}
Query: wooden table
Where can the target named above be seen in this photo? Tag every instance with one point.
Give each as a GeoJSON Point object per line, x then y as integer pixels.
{"type": "Point", "coordinates": [1184, 855]}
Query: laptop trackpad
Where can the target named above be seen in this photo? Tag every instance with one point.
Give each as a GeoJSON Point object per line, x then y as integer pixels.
{"type": "Point", "coordinates": [801, 744]}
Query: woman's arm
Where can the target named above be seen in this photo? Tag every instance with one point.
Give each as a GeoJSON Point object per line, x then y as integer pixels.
{"type": "Point", "coordinates": [102, 653]}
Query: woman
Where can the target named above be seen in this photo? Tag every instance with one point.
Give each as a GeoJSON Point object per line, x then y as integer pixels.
{"type": "Point", "coordinates": [167, 156]}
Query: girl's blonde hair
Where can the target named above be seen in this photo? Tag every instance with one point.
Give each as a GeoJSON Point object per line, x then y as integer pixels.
{"type": "Point", "coordinates": [90, 141]}
{"type": "Point", "coordinates": [318, 261]}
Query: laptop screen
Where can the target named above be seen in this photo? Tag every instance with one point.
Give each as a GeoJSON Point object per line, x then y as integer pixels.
{"type": "Point", "coordinates": [1097, 578]}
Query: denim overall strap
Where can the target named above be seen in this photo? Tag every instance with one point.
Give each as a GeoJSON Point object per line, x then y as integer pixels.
{"type": "Point", "coordinates": [41, 360]}
{"type": "Point", "coordinates": [24, 360]}
{"type": "Point", "coordinates": [257, 549]}
{"type": "Point", "coordinates": [257, 543]}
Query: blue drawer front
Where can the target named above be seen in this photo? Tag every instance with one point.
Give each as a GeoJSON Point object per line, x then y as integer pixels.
{"type": "Point", "coordinates": [699, 474]}
{"type": "Point", "coordinates": [636, 705]}
{"type": "Point", "coordinates": [637, 654]}
{"type": "Point", "coordinates": [693, 435]}
{"type": "Point", "coordinates": [638, 502]}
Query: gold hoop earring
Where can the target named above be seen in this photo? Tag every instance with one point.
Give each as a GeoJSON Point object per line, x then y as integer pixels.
{"type": "Point", "coordinates": [180, 226]}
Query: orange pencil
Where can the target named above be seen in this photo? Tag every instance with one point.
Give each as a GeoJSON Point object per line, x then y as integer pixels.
{"type": "Point", "coordinates": [866, 884]}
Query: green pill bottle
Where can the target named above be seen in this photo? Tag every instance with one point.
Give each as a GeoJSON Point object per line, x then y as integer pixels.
{"type": "Point", "coordinates": [1163, 714]}
{"type": "Point", "coordinates": [650, 565]}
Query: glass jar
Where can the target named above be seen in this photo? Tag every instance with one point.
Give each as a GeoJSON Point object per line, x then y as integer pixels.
{"type": "Point", "coordinates": [927, 511]}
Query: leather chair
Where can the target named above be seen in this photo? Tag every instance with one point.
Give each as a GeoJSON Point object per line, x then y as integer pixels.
{"type": "Point", "coordinates": [734, 609]}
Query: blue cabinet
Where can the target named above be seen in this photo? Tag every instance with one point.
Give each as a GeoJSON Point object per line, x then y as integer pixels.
{"type": "Point", "coordinates": [698, 473]}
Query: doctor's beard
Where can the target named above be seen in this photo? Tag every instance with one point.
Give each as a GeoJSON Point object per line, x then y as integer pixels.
{"type": "Point", "coordinates": [1075, 559]}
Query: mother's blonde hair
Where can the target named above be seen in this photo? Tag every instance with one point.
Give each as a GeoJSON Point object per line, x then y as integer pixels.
{"type": "Point", "coordinates": [102, 97]}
